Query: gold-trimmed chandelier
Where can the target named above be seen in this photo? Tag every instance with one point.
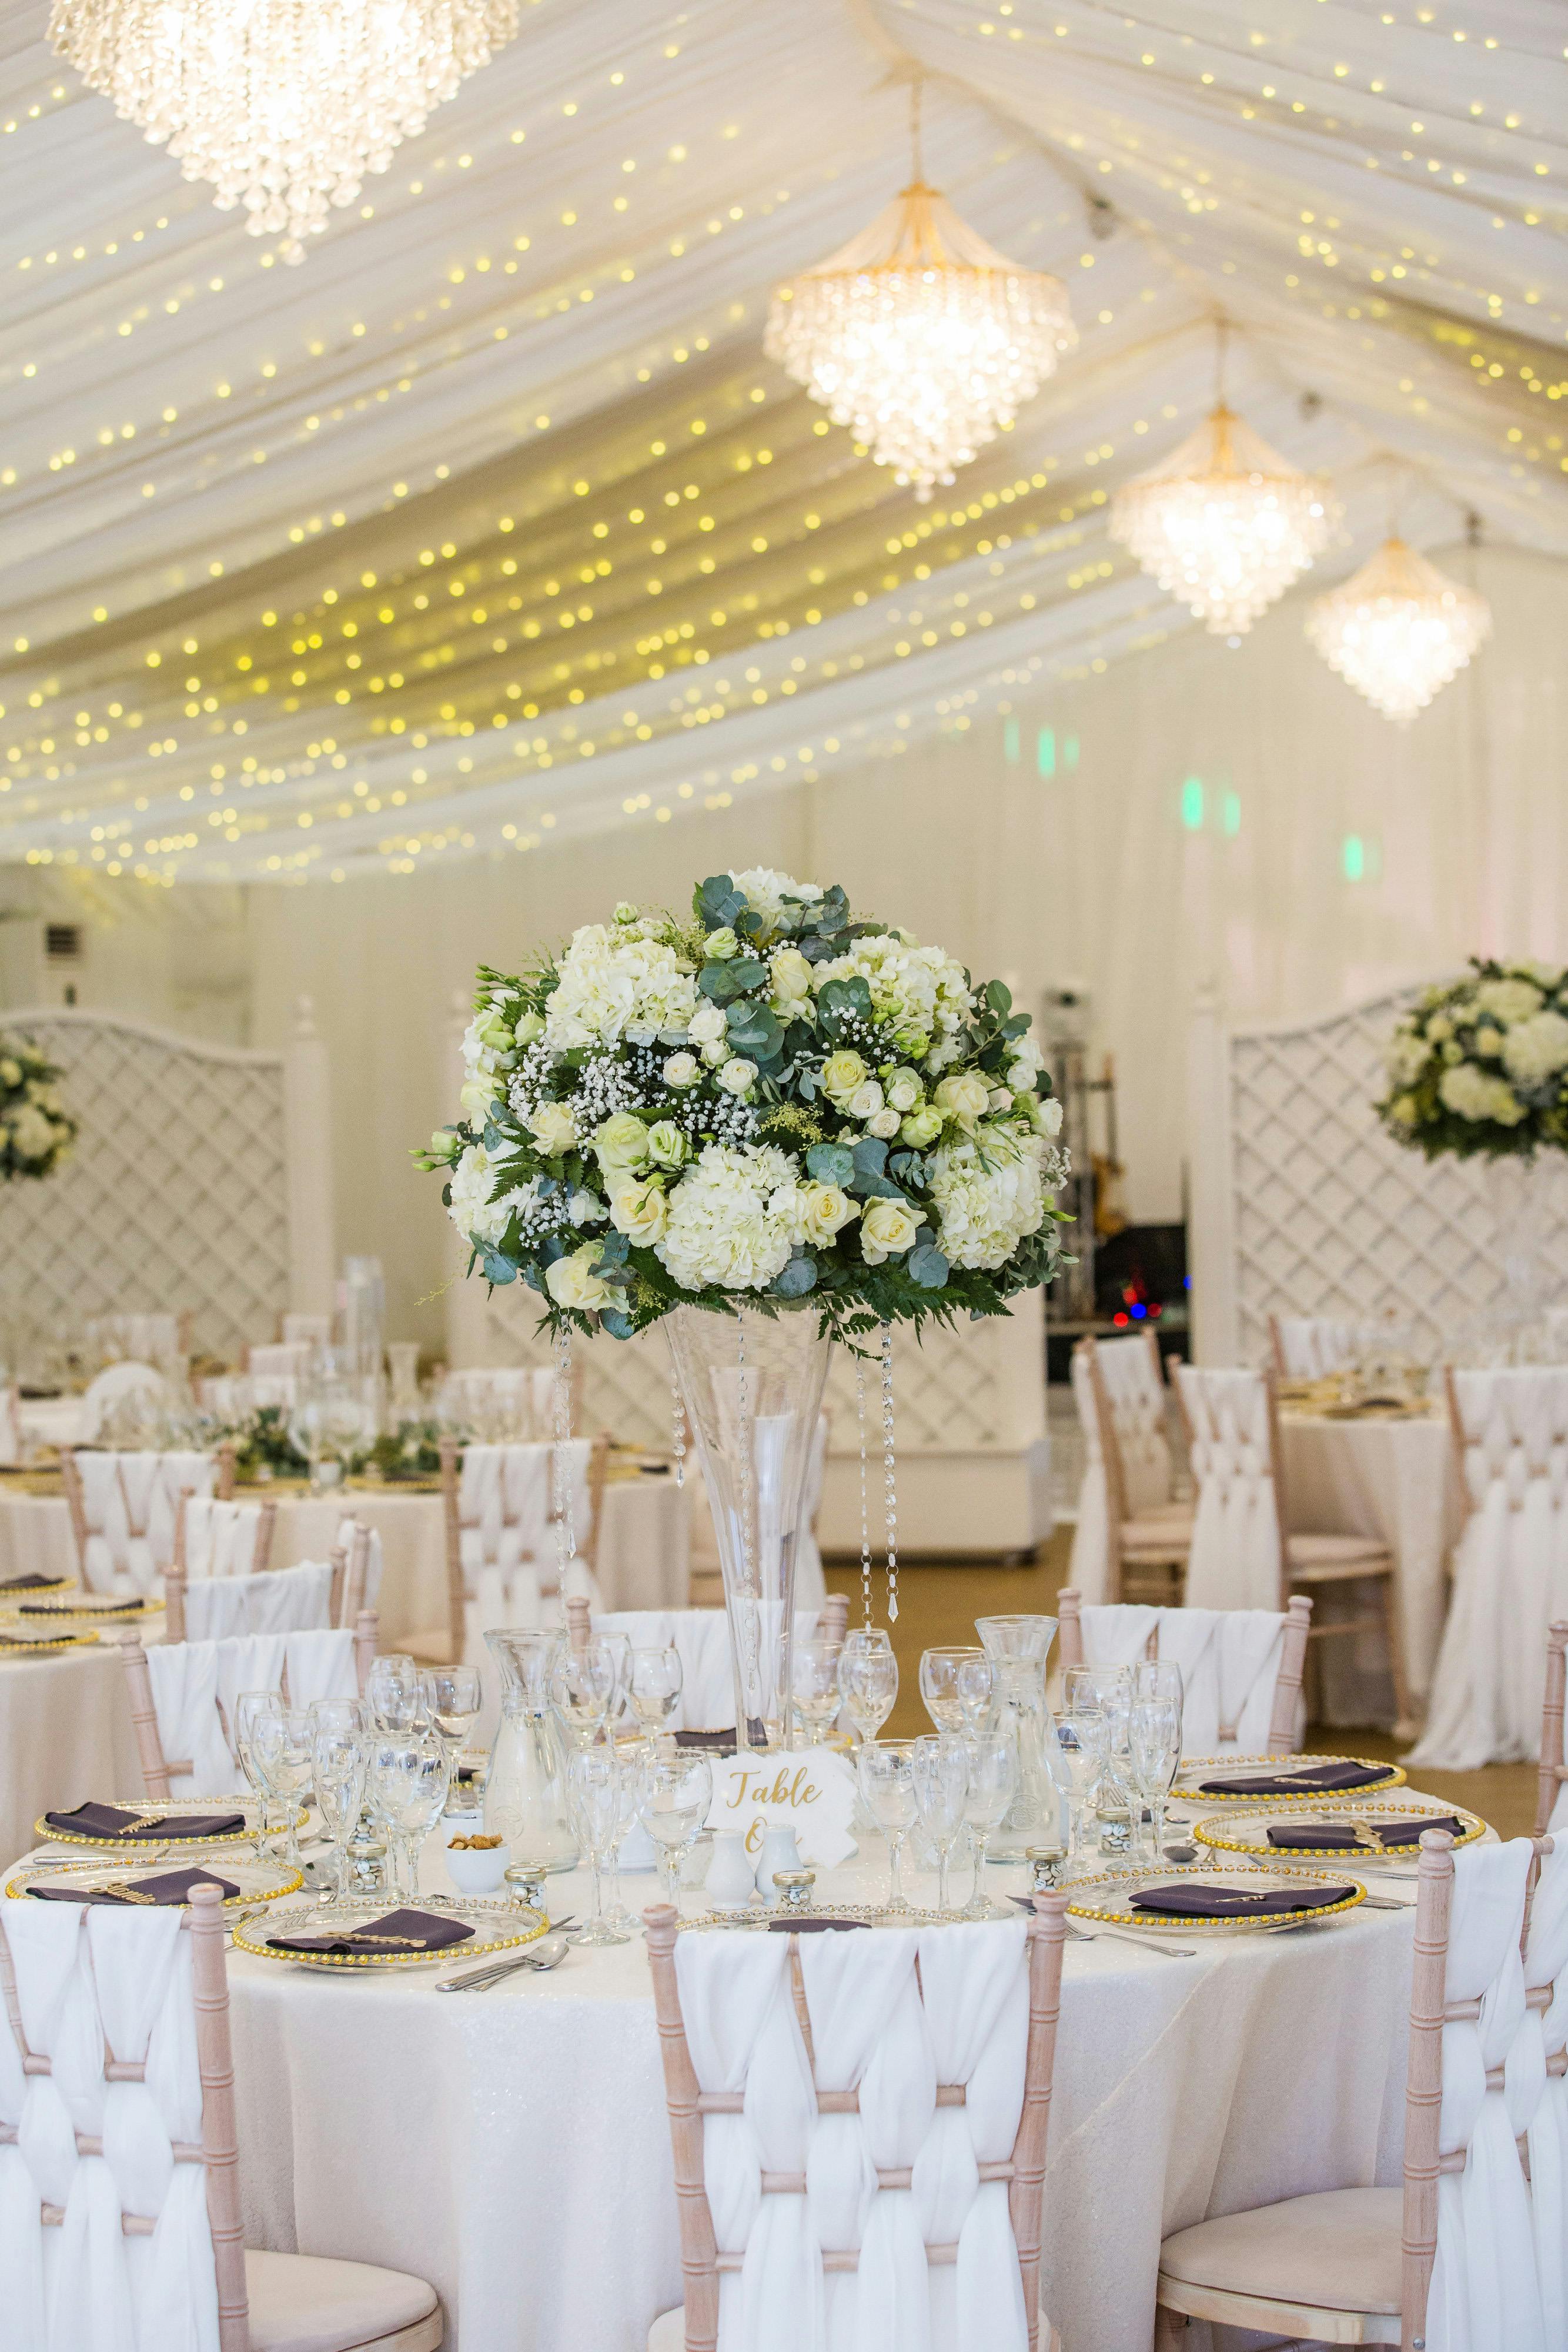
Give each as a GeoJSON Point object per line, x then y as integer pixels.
{"type": "Point", "coordinates": [1398, 629]}
{"type": "Point", "coordinates": [284, 105]}
{"type": "Point", "coordinates": [919, 335]}
{"type": "Point", "coordinates": [1224, 524]}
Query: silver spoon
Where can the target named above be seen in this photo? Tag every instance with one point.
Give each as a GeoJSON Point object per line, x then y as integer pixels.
{"type": "Point", "coordinates": [548, 1953]}
{"type": "Point", "coordinates": [1165, 1951]}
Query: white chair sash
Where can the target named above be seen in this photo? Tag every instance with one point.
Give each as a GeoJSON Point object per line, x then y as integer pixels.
{"type": "Point", "coordinates": [508, 1541]}
{"type": "Point", "coordinates": [1511, 1569]}
{"type": "Point", "coordinates": [1234, 1563]}
{"type": "Point", "coordinates": [93, 1981]}
{"type": "Point", "coordinates": [1229, 1660]}
{"type": "Point", "coordinates": [871, 2032]}
{"type": "Point", "coordinates": [195, 1685]}
{"type": "Point", "coordinates": [129, 1501]}
{"type": "Point", "coordinates": [1137, 1400]}
{"type": "Point", "coordinates": [220, 1538]}
{"type": "Point", "coordinates": [283, 1600]}
{"type": "Point", "coordinates": [700, 1639]}
{"type": "Point", "coordinates": [1545, 2033]}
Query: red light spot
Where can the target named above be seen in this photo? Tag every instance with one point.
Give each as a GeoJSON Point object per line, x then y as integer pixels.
{"type": "Point", "coordinates": [1118, 1318]}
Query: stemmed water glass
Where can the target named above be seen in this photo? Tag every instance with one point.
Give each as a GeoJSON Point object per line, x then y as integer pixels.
{"type": "Point", "coordinates": [281, 1741]}
{"type": "Point", "coordinates": [941, 1776]}
{"type": "Point", "coordinates": [630, 1755]}
{"type": "Point", "coordinates": [1154, 1746]}
{"type": "Point", "coordinates": [338, 1755]}
{"type": "Point", "coordinates": [939, 1671]}
{"type": "Point", "coordinates": [975, 1686]}
{"type": "Point", "coordinates": [816, 1679]}
{"type": "Point", "coordinates": [886, 1768]}
{"type": "Point", "coordinates": [656, 1681]}
{"type": "Point", "coordinates": [868, 1679]}
{"type": "Point", "coordinates": [452, 1698]}
{"type": "Point", "coordinates": [247, 1706]}
{"type": "Point", "coordinates": [1081, 1734]}
{"type": "Point", "coordinates": [593, 1795]}
{"type": "Point", "coordinates": [673, 1796]}
{"type": "Point", "coordinates": [407, 1783]}
{"type": "Point", "coordinates": [993, 1783]}
{"type": "Point", "coordinates": [582, 1684]}
{"type": "Point", "coordinates": [394, 1691]}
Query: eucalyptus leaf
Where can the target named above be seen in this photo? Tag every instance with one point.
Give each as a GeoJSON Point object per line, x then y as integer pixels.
{"type": "Point", "coordinates": [999, 997]}
{"type": "Point", "coordinates": [870, 1155]}
{"type": "Point", "coordinates": [620, 1326]}
{"type": "Point", "coordinates": [612, 1249]}
{"type": "Point", "coordinates": [498, 1269]}
{"type": "Point", "coordinates": [831, 1163]}
{"type": "Point", "coordinates": [794, 1280]}
{"type": "Point", "coordinates": [928, 1266]}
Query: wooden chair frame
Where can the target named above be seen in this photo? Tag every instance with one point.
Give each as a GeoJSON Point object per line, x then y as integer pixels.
{"type": "Point", "coordinates": [1024, 2170]}
{"type": "Point", "coordinates": [1170, 1555]}
{"type": "Point", "coordinates": [451, 1477]}
{"type": "Point", "coordinates": [1287, 1684]}
{"type": "Point", "coordinates": [1553, 1770]}
{"type": "Point", "coordinates": [1424, 2162]}
{"type": "Point", "coordinates": [157, 1770]}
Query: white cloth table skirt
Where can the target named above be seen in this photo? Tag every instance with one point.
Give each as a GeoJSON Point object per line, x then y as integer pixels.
{"type": "Point", "coordinates": [65, 1735]}
{"type": "Point", "coordinates": [1394, 1480]}
{"type": "Point", "coordinates": [643, 1550]}
{"type": "Point", "coordinates": [512, 2147]}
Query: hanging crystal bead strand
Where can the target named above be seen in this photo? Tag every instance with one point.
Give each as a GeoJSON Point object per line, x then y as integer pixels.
{"type": "Point", "coordinates": [561, 1467]}
{"type": "Point", "coordinates": [865, 1514]}
{"type": "Point", "coordinates": [889, 1475]}
{"type": "Point", "coordinates": [678, 1430]}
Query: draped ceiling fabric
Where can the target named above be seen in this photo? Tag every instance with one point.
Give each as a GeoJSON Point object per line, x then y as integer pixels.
{"type": "Point", "coordinates": [489, 522]}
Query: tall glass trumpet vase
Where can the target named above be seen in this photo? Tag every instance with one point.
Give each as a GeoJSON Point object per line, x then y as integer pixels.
{"type": "Point", "coordinates": [751, 1384]}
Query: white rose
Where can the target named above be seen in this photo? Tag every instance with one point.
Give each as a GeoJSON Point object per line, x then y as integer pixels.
{"type": "Point", "coordinates": [707, 1024]}
{"type": "Point", "coordinates": [574, 1281]}
{"type": "Point", "coordinates": [641, 1211]}
{"type": "Point", "coordinates": [681, 1071]}
{"type": "Point", "coordinates": [789, 976]}
{"type": "Point", "coordinates": [586, 1208]}
{"type": "Point", "coordinates": [905, 1090]}
{"type": "Point", "coordinates": [716, 1054]}
{"type": "Point", "coordinates": [529, 1026]}
{"type": "Point", "coordinates": [553, 1127]}
{"type": "Point", "coordinates": [1000, 1098]}
{"type": "Point", "coordinates": [476, 1095]}
{"type": "Point", "coordinates": [1045, 1117]}
{"type": "Point", "coordinates": [620, 1143]}
{"type": "Point", "coordinates": [1022, 1076]}
{"type": "Point", "coordinates": [963, 1098]}
{"type": "Point", "coordinates": [1406, 1058]}
{"type": "Point", "coordinates": [667, 1145]}
{"type": "Point", "coordinates": [884, 1124]}
{"type": "Point", "coordinates": [887, 1229]}
{"type": "Point", "coordinates": [866, 1100]}
{"type": "Point", "coordinates": [825, 1210]}
{"type": "Point", "coordinates": [1509, 1000]}
{"type": "Point", "coordinates": [842, 1073]}
{"type": "Point", "coordinates": [736, 1076]}
{"type": "Point", "coordinates": [720, 946]}
{"type": "Point", "coordinates": [1536, 1049]}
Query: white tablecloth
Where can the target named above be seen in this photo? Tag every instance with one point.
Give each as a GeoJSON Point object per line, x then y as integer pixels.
{"type": "Point", "coordinates": [65, 1735]}
{"type": "Point", "coordinates": [1390, 1479]}
{"type": "Point", "coordinates": [643, 1551]}
{"type": "Point", "coordinates": [512, 2147]}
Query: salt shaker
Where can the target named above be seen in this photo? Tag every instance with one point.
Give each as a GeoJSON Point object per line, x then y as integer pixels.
{"type": "Point", "coordinates": [779, 1852]}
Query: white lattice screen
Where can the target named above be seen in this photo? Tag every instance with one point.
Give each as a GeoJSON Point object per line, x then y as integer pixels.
{"type": "Point", "coordinates": [199, 1182]}
{"type": "Point", "coordinates": [1302, 1204]}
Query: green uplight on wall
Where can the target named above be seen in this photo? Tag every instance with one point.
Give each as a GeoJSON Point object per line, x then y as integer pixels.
{"type": "Point", "coordinates": [1352, 858]}
{"type": "Point", "coordinates": [1045, 752]}
{"type": "Point", "coordinates": [1010, 741]}
{"type": "Point", "coordinates": [1192, 803]}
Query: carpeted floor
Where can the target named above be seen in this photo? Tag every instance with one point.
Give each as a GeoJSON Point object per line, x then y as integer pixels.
{"type": "Point", "coordinates": [939, 1603]}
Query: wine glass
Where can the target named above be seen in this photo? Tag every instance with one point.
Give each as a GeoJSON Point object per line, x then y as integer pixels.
{"type": "Point", "coordinates": [887, 1789]}
{"type": "Point", "coordinates": [655, 1686]}
{"type": "Point", "coordinates": [672, 1797]}
{"type": "Point", "coordinates": [816, 1681]}
{"type": "Point", "coordinates": [582, 1684]}
{"type": "Point", "coordinates": [247, 1707]}
{"type": "Point", "coordinates": [993, 1784]}
{"type": "Point", "coordinates": [406, 1782]}
{"type": "Point", "coordinates": [941, 1775]}
{"type": "Point", "coordinates": [593, 1794]}
{"type": "Point", "coordinates": [394, 1691]}
{"type": "Point", "coordinates": [868, 1680]}
{"type": "Point", "coordinates": [629, 1754]}
{"type": "Point", "coordinates": [338, 1756]}
{"type": "Point", "coordinates": [939, 1684]}
{"type": "Point", "coordinates": [281, 1741]}
{"type": "Point", "coordinates": [452, 1698]}
{"type": "Point", "coordinates": [975, 1684]}
{"type": "Point", "coordinates": [1159, 1678]}
{"type": "Point", "coordinates": [1153, 1745]}
{"type": "Point", "coordinates": [1081, 1732]}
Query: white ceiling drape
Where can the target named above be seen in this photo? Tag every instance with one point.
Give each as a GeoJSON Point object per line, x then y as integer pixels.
{"type": "Point", "coordinates": [489, 522]}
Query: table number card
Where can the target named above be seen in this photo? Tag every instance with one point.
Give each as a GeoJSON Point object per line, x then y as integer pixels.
{"type": "Point", "coordinates": [812, 1792]}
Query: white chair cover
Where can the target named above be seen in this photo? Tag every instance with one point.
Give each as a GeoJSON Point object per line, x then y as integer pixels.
{"type": "Point", "coordinates": [700, 1639]}
{"type": "Point", "coordinates": [129, 1501]}
{"type": "Point", "coordinates": [872, 2030]}
{"type": "Point", "coordinates": [220, 1538]}
{"type": "Point", "coordinates": [507, 1540]}
{"type": "Point", "coordinates": [1138, 1403]}
{"type": "Point", "coordinates": [89, 1980]}
{"type": "Point", "coordinates": [1234, 1563]}
{"type": "Point", "coordinates": [11, 1438]}
{"type": "Point", "coordinates": [1229, 1660]}
{"type": "Point", "coordinates": [279, 1359]}
{"type": "Point", "coordinates": [283, 1600]}
{"type": "Point", "coordinates": [1510, 1569]}
{"type": "Point", "coordinates": [1315, 1345]}
{"type": "Point", "coordinates": [195, 1685]}
{"type": "Point", "coordinates": [141, 1338]}
{"type": "Point", "coordinates": [112, 1387]}
{"type": "Point", "coordinates": [1542, 2039]}
{"type": "Point", "coordinates": [520, 1396]}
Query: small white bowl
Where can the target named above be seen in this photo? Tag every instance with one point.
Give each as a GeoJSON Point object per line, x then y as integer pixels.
{"type": "Point", "coordinates": [477, 1871]}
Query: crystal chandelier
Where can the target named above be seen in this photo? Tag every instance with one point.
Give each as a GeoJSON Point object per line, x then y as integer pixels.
{"type": "Point", "coordinates": [920, 336]}
{"type": "Point", "coordinates": [1398, 630]}
{"type": "Point", "coordinates": [284, 105]}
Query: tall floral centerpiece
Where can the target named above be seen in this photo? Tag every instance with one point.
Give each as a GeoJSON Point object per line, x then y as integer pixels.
{"type": "Point", "coordinates": [769, 1125]}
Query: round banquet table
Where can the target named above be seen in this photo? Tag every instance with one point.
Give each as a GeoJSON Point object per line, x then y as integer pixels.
{"type": "Point", "coordinates": [1393, 1479]}
{"type": "Point", "coordinates": [65, 1735]}
{"type": "Point", "coordinates": [644, 1549]}
{"type": "Point", "coordinates": [512, 2147]}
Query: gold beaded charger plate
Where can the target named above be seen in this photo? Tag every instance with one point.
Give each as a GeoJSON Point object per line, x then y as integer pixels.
{"type": "Point", "coordinates": [1191, 1785]}
{"type": "Point", "coordinates": [146, 1841]}
{"type": "Point", "coordinates": [54, 1881]}
{"type": "Point", "coordinates": [102, 1608]}
{"type": "Point", "coordinates": [1243, 1830]}
{"type": "Point", "coordinates": [1108, 1896]}
{"type": "Point", "coordinates": [21, 1641]}
{"type": "Point", "coordinates": [497, 1925]}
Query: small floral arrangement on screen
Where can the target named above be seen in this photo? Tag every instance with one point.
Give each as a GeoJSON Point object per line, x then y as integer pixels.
{"type": "Point", "coordinates": [36, 1129]}
{"type": "Point", "coordinates": [776, 1100]}
{"type": "Point", "coordinates": [1482, 1064]}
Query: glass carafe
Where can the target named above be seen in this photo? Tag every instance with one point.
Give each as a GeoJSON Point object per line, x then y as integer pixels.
{"type": "Point", "coordinates": [524, 1791]}
{"type": "Point", "coordinates": [1018, 1648]}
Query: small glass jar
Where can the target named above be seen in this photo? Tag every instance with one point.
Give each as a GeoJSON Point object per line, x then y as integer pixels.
{"type": "Point", "coordinates": [1115, 1827]}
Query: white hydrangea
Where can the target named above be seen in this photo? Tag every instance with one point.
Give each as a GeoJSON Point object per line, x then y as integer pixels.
{"type": "Point", "coordinates": [765, 892]}
{"type": "Point", "coordinates": [1509, 1000]}
{"type": "Point", "coordinates": [474, 1176]}
{"type": "Point", "coordinates": [911, 987]}
{"type": "Point", "coordinates": [734, 1218]}
{"type": "Point", "coordinates": [1536, 1049]}
{"type": "Point", "coordinates": [614, 984]}
{"type": "Point", "coordinates": [1474, 1095]}
{"type": "Point", "coordinates": [1406, 1058]}
{"type": "Point", "coordinates": [988, 1195]}
{"type": "Point", "coordinates": [34, 1135]}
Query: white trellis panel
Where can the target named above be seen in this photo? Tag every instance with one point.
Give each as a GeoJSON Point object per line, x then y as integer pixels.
{"type": "Point", "coordinates": [200, 1182]}
{"type": "Point", "coordinates": [1300, 1205]}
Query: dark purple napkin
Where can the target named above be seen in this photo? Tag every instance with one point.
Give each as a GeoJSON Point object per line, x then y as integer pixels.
{"type": "Point", "coordinates": [114, 1822]}
{"type": "Point", "coordinates": [87, 1602]}
{"type": "Point", "coordinates": [400, 1931]}
{"type": "Point", "coordinates": [812, 1926]}
{"type": "Point", "coordinates": [29, 1583]}
{"type": "Point", "coordinates": [170, 1887]}
{"type": "Point", "coordinates": [1312, 1779]}
{"type": "Point", "coordinates": [1194, 1900]}
{"type": "Point", "coordinates": [1335, 1837]}
{"type": "Point", "coordinates": [720, 1743]}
